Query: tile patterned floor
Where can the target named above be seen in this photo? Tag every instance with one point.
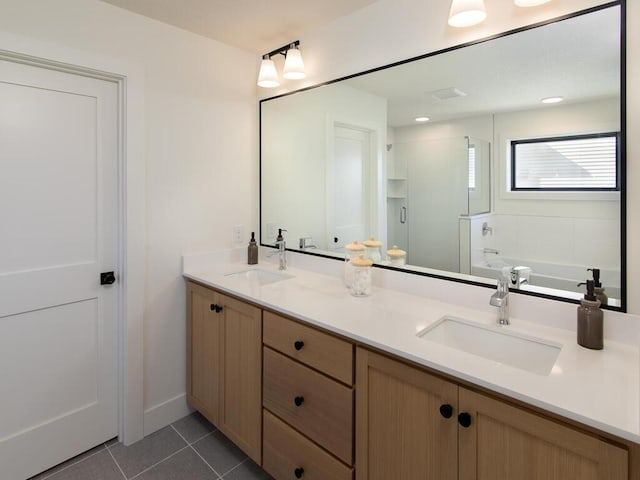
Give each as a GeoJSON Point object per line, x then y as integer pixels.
{"type": "Point", "coordinates": [189, 449]}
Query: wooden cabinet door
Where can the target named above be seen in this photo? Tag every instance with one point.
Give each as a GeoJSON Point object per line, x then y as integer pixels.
{"type": "Point", "coordinates": [504, 442]}
{"type": "Point", "coordinates": [203, 351]}
{"type": "Point", "coordinates": [400, 432]}
{"type": "Point", "coordinates": [241, 375]}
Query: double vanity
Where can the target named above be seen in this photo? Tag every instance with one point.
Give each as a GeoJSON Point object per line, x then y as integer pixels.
{"type": "Point", "coordinates": [314, 383]}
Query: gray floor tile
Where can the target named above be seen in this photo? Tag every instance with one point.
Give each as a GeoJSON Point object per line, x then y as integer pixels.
{"type": "Point", "coordinates": [193, 427]}
{"type": "Point", "coordinates": [69, 462]}
{"type": "Point", "coordinates": [111, 442]}
{"type": "Point", "coordinates": [147, 452]}
{"type": "Point", "coordinates": [97, 467]}
{"type": "Point", "coordinates": [219, 452]}
{"type": "Point", "coordinates": [248, 471]}
{"type": "Point", "coordinates": [184, 465]}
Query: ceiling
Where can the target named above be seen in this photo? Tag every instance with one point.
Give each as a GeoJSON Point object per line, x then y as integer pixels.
{"type": "Point", "coordinates": [255, 25]}
{"type": "Point", "coordinates": [578, 59]}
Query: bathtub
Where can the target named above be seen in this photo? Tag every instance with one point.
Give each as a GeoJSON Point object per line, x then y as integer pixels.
{"type": "Point", "coordinates": [548, 275]}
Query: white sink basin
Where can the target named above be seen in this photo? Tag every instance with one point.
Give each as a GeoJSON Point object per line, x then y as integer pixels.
{"type": "Point", "coordinates": [260, 276]}
{"type": "Point", "coordinates": [494, 343]}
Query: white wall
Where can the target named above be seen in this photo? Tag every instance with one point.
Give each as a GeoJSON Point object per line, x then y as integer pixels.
{"type": "Point", "coordinates": [393, 30]}
{"type": "Point", "coordinates": [297, 169]}
{"type": "Point", "coordinates": [557, 120]}
{"type": "Point", "coordinates": [200, 150]}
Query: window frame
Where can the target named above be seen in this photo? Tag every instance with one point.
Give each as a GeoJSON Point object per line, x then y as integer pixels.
{"type": "Point", "coordinates": [512, 162]}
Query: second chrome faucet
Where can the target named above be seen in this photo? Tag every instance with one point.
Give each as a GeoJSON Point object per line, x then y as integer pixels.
{"type": "Point", "coordinates": [500, 299]}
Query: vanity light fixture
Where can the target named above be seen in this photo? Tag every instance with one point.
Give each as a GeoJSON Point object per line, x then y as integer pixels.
{"type": "Point", "coordinates": [293, 66]}
{"type": "Point", "coordinates": [530, 3]}
{"type": "Point", "coordinates": [552, 100]}
{"type": "Point", "coordinates": [466, 13]}
{"type": "Point", "coordinates": [422, 119]}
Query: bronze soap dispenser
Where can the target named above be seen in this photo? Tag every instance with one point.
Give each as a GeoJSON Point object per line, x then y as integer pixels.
{"type": "Point", "coordinates": [590, 320]}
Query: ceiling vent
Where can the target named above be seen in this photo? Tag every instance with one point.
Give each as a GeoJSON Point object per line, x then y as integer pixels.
{"type": "Point", "coordinates": [448, 93]}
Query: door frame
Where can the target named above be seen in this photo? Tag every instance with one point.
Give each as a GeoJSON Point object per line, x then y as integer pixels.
{"type": "Point", "coordinates": [131, 206]}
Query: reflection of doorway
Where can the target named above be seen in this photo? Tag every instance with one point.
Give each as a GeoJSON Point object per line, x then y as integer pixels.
{"type": "Point", "coordinates": [349, 206]}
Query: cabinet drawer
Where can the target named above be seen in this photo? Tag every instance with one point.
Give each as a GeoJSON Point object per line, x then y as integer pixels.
{"type": "Point", "coordinates": [320, 408]}
{"type": "Point", "coordinates": [321, 351]}
{"type": "Point", "coordinates": [285, 450]}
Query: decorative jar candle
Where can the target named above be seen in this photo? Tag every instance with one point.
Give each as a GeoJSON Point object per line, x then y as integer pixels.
{"type": "Point", "coordinates": [352, 250]}
{"type": "Point", "coordinates": [397, 257]}
{"type": "Point", "coordinates": [362, 267]}
{"type": "Point", "coordinates": [373, 249]}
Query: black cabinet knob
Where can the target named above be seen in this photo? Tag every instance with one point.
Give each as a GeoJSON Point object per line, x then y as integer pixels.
{"type": "Point", "coordinates": [298, 401]}
{"type": "Point", "coordinates": [298, 472]}
{"type": "Point", "coordinates": [464, 419]}
{"type": "Point", "coordinates": [298, 344]}
{"type": "Point", "coordinates": [446, 410]}
{"type": "Point", "coordinates": [219, 309]}
{"type": "Point", "coordinates": [216, 308]}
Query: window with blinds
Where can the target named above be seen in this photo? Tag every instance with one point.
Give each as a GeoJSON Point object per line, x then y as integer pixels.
{"type": "Point", "coordinates": [575, 163]}
{"type": "Point", "coordinates": [472, 167]}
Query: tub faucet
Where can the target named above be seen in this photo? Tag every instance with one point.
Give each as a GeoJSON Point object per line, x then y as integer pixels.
{"type": "Point", "coordinates": [500, 299]}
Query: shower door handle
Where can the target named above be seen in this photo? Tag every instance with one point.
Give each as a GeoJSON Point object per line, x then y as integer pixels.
{"type": "Point", "coordinates": [403, 214]}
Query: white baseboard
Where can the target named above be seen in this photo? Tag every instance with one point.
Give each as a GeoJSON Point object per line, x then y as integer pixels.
{"type": "Point", "coordinates": [165, 413]}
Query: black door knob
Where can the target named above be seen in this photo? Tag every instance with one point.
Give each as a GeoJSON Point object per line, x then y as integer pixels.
{"type": "Point", "coordinates": [107, 278]}
{"type": "Point", "coordinates": [298, 401]}
{"type": "Point", "coordinates": [464, 419]}
{"type": "Point", "coordinates": [298, 472]}
{"type": "Point", "coordinates": [298, 344]}
{"type": "Point", "coordinates": [446, 410]}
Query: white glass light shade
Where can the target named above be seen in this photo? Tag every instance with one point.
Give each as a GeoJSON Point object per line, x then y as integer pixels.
{"type": "Point", "coordinates": [552, 100]}
{"type": "Point", "coordinates": [530, 3]}
{"type": "Point", "coordinates": [268, 76]}
{"type": "Point", "coordinates": [465, 13]}
{"type": "Point", "coordinates": [293, 65]}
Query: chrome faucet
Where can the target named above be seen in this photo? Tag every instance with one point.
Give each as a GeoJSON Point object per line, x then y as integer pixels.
{"type": "Point", "coordinates": [304, 245]}
{"type": "Point", "coordinates": [518, 277]}
{"type": "Point", "coordinates": [282, 251]}
{"type": "Point", "coordinates": [500, 299]}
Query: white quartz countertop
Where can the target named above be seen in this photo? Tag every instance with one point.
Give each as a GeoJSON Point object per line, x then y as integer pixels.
{"type": "Point", "coordinates": [597, 388]}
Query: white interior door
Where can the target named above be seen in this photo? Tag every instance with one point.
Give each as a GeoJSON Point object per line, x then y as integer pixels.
{"type": "Point", "coordinates": [58, 232]}
{"type": "Point", "coordinates": [348, 207]}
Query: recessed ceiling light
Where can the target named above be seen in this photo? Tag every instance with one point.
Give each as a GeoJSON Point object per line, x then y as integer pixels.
{"type": "Point", "coordinates": [552, 100]}
{"type": "Point", "coordinates": [422, 119]}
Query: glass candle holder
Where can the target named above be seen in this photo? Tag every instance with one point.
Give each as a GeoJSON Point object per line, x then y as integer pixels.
{"type": "Point", "coordinates": [373, 249]}
{"type": "Point", "coordinates": [362, 269]}
{"type": "Point", "coordinates": [351, 251]}
{"type": "Point", "coordinates": [397, 257]}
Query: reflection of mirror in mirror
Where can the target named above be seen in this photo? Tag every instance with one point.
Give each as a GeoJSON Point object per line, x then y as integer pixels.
{"type": "Point", "coordinates": [347, 161]}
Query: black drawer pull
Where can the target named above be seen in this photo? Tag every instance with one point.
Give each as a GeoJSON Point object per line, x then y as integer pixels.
{"type": "Point", "coordinates": [446, 410]}
{"type": "Point", "coordinates": [298, 401]}
{"type": "Point", "coordinates": [298, 344]}
{"type": "Point", "coordinates": [298, 472]}
{"type": "Point", "coordinates": [464, 419]}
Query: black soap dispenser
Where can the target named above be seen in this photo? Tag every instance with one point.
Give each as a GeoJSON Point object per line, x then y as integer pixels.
{"type": "Point", "coordinates": [252, 250]}
{"type": "Point", "coordinates": [590, 320]}
{"type": "Point", "coordinates": [598, 289]}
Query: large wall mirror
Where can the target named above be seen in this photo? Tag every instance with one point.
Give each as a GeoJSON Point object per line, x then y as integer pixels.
{"type": "Point", "coordinates": [495, 180]}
